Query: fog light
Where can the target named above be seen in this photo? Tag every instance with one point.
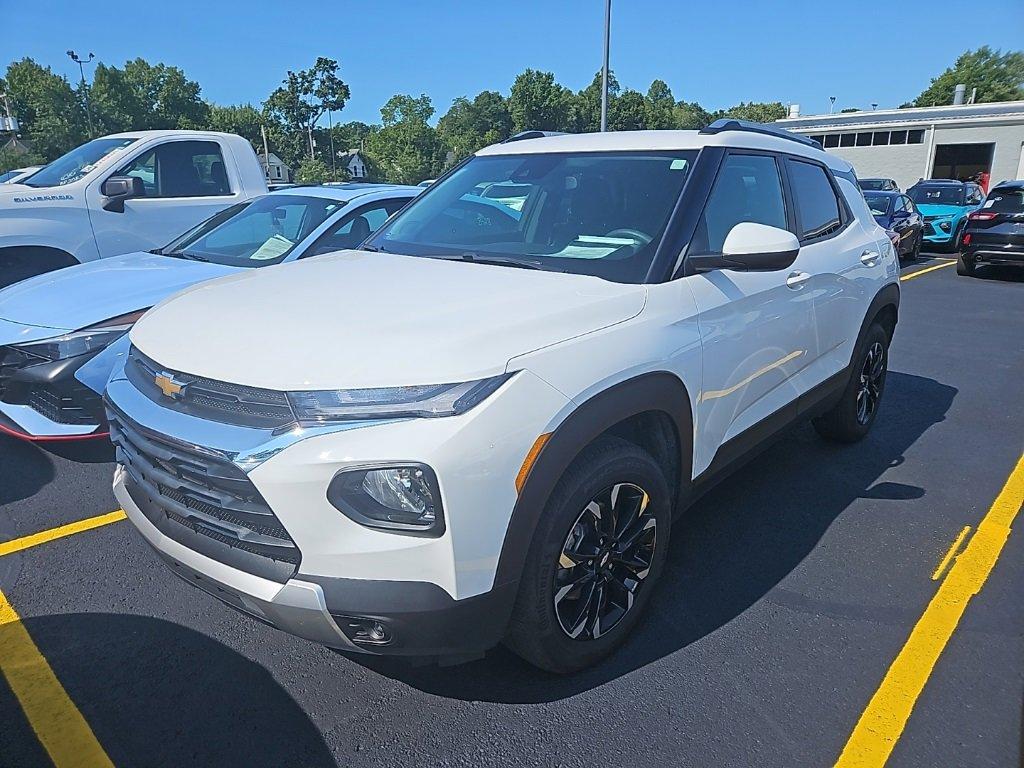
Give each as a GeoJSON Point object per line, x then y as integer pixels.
{"type": "Point", "coordinates": [944, 226]}
{"type": "Point", "coordinates": [364, 631]}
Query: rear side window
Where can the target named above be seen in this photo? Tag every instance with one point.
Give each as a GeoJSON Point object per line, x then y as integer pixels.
{"type": "Point", "coordinates": [1005, 200]}
{"type": "Point", "coordinates": [181, 169]}
{"type": "Point", "coordinates": [748, 188]}
{"type": "Point", "coordinates": [817, 207]}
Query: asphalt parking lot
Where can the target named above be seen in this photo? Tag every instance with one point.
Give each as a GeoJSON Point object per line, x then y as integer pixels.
{"type": "Point", "coordinates": [782, 632]}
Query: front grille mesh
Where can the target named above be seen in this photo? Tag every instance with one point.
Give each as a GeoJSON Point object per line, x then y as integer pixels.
{"type": "Point", "coordinates": [201, 493]}
{"type": "Point", "coordinates": [219, 401]}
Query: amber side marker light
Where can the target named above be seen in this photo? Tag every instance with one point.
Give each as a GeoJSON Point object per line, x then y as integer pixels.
{"type": "Point", "coordinates": [531, 458]}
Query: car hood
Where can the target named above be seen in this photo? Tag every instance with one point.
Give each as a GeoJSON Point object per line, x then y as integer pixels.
{"type": "Point", "coordinates": [85, 294]}
{"type": "Point", "coordinates": [940, 210]}
{"type": "Point", "coordinates": [356, 319]}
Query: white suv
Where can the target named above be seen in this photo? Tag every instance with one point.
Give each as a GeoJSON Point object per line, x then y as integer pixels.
{"type": "Point", "coordinates": [481, 425]}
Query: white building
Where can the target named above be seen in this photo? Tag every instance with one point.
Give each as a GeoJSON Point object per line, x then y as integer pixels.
{"type": "Point", "coordinates": [276, 170]}
{"type": "Point", "coordinates": [952, 142]}
{"type": "Point", "coordinates": [353, 162]}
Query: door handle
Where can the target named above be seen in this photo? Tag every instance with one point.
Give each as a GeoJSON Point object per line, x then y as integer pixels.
{"type": "Point", "coordinates": [869, 257]}
{"type": "Point", "coordinates": [797, 279]}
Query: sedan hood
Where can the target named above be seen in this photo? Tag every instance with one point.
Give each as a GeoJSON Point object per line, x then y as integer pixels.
{"type": "Point", "coordinates": [355, 319]}
{"type": "Point", "coordinates": [85, 294]}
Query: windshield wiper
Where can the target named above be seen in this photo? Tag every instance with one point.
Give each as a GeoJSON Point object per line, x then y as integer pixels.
{"type": "Point", "coordinates": [187, 255]}
{"type": "Point", "coordinates": [501, 261]}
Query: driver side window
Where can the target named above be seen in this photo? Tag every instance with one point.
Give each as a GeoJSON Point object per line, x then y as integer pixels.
{"type": "Point", "coordinates": [748, 189]}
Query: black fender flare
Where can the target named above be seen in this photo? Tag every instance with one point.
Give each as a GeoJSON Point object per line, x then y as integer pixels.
{"type": "Point", "coordinates": [888, 296]}
{"type": "Point", "coordinates": [658, 391]}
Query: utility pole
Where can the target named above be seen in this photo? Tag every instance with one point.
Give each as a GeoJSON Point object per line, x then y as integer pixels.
{"type": "Point", "coordinates": [85, 89]}
{"type": "Point", "coordinates": [831, 104]}
{"type": "Point", "coordinates": [266, 150]}
{"type": "Point", "coordinates": [309, 130]}
{"type": "Point", "coordinates": [604, 67]}
{"type": "Point", "coordinates": [330, 127]}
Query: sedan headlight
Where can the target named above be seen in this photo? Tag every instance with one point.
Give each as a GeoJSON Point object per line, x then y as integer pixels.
{"type": "Point", "coordinates": [315, 407]}
{"type": "Point", "coordinates": [86, 340]}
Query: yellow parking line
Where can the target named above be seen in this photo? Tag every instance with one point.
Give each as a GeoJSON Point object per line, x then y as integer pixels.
{"type": "Point", "coordinates": [926, 270]}
{"type": "Point", "coordinates": [950, 552]}
{"type": "Point", "coordinates": [57, 723]}
{"type": "Point", "coordinates": [17, 545]}
{"type": "Point", "coordinates": [882, 723]}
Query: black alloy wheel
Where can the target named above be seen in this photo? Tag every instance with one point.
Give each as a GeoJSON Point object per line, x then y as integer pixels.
{"type": "Point", "coordinates": [604, 561]}
{"type": "Point", "coordinates": [872, 375]}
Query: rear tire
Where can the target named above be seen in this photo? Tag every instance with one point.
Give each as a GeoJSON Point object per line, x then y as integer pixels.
{"type": "Point", "coordinates": [851, 418]}
{"type": "Point", "coordinates": [915, 252]}
{"type": "Point", "coordinates": [965, 266]}
{"type": "Point", "coordinates": [587, 580]}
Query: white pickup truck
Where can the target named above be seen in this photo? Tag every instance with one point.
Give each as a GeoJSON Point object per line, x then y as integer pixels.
{"type": "Point", "coordinates": [126, 192]}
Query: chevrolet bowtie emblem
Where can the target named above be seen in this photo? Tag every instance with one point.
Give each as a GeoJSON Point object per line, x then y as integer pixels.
{"type": "Point", "coordinates": [168, 385]}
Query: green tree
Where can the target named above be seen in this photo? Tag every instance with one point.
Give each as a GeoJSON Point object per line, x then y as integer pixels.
{"type": "Point", "coordinates": [471, 125]}
{"type": "Point", "coordinates": [115, 105]}
{"type": "Point", "coordinates": [51, 114]}
{"type": "Point", "coordinates": [759, 112]}
{"type": "Point", "coordinates": [302, 99]}
{"type": "Point", "coordinates": [628, 112]}
{"type": "Point", "coordinates": [243, 119]}
{"type": "Point", "coordinates": [586, 104]}
{"type": "Point", "coordinates": [144, 96]}
{"type": "Point", "coordinates": [405, 149]}
{"type": "Point", "coordinates": [312, 171]}
{"type": "Point", "coordinates": [690, 116]}
{"type": "Point", "coordinates": [537, 102]}
{"type": "Point", "coordinates": [660, 106]}
{"type": "Point", "coordinates": [997, 76]}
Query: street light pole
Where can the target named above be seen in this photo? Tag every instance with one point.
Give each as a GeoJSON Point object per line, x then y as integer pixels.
{"type": "Point", "coordinates": [604, 67]}
{"type": "Point", "coordinates": [330, 127]}
{"type": "Point", "coordinates": [85, 90]}
{"type": "Point", "coordinates": [831, 104]}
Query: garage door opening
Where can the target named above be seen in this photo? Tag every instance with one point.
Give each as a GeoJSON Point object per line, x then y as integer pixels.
{"type": "Point", "coordinates": [963, 162]}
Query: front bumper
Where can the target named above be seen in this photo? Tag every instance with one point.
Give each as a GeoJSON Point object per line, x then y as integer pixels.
{"type": "Point", "coordinates": [41, 400]}
{"type": "Point", "coordinates": [933, 233]}
{"type": "Point", "coordinates": [435, 596]}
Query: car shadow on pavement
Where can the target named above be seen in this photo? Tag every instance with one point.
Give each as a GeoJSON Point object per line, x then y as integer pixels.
{"type": "Point", "coordinates": [728, 551]}
{"type": "Point", "coordinates": [23, 471]}
{"type": "Point", "coordinates": [999, 273]}
{"type": "Point", "coordinates": [157, 693]}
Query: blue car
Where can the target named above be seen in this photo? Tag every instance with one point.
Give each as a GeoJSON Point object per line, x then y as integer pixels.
{"type": "Point", "coordinates": [945, 204]}
{"type": "Point", "coordinates": [62, 333]}
{"type": "Point", "coordinates": [899, 217]}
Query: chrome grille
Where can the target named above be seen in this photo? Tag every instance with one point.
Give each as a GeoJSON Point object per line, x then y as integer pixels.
{"type": "Point", "coordinates": [193, 495]}
{"type": "Point", "coordinates": [220, 401]}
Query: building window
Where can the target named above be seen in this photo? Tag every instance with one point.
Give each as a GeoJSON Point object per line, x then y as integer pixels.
{"type": "Point", "coordinates": [863, 139]}
{"type": "Point", "coordinates": [898, 137]}
{"type": "Point", "coordinates": [847, 139]}
{"type": "Point", "coordinates": [915, 136]}
{"type": "Point", "coordinates": [880, 138]}
{"type": "Point", "coordinates": [831, 140]}
{"type": "Point", "coordinates": [818, 139]}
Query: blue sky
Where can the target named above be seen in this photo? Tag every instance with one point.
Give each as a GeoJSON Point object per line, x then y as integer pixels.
{"type": "Point", "coordinates": [715, 53]}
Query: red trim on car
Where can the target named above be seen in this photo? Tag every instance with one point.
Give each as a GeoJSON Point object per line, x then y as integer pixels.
{"type": "Point", "coordinates": [50, 438]}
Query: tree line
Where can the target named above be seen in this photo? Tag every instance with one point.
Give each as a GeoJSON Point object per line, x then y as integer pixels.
{"type": "Point", "coordinates": [404, 147]}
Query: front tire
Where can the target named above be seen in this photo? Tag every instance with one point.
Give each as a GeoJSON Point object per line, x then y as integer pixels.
{"type": "Point", "coordinates": [596, 555]}
{"type": "Point", "coordinates": [851, 418]}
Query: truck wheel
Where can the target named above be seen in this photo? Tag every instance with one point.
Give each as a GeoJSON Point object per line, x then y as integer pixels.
{"type": "Point", "coordinates": [23, 262]}
{"type": "Point", "coordinates": [851, 418]}
{"type": "Point", "coordinates": [965, 266]}
{"type": "Point", "coordinates": [596, 555]}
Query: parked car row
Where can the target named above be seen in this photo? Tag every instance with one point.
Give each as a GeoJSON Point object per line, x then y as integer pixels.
{"type": "Point", "coordinates": [477, 423]}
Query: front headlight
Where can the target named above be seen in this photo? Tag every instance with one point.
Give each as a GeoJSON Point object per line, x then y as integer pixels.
{"type": "Point", "coordinates": [90, 339]}
{"type": "Point", "coordinates": [315, 407]}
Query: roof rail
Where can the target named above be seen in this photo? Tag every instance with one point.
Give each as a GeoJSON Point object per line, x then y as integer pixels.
{"type": "Point", "coordinates": [522, 135]}
{"type": "Point", "coordinates": [732, 124]}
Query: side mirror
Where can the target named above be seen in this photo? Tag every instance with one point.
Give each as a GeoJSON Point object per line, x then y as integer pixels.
{"type": "Point", "coordinates": [753, 248]}
{"type": "Point", "coordinates": [117, 189]}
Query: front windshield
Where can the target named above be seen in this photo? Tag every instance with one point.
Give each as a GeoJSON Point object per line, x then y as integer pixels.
{"type": "Point", "coordinates": [595, 213]}
{"type": "Point", "coordinates": [875, 184]}
{"type": "Point", "coordinates": [879, 204]}
{"type": "Point", "coordinates": [254, 234]}
{"type": "Point", "coordinates": [947, 194]}
{"type": "Point", "coordinates": [76, 163]}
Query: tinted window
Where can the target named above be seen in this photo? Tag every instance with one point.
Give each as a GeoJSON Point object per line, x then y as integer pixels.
{"type": "Point", "coordinates": [817, 207]}
{"type": "Point", "coordinates": [863, 139]}
{"type": "Point", "coordinates": [595, 213]}
{"type": "Point", "coordinates": [879, 204]}
{"type": "Point", "coordinates": [831, 140]}
{"type": "Point", "coordinates": [181, 169]}
{"type": "Point", "coordinates": [973, 195]}
{"type": "Point", "coordinates": [748, 188]}
{"type": "Point", "coordinates": [1005, 200]}
{"type": "Point", "coordinates": [944, 194]}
